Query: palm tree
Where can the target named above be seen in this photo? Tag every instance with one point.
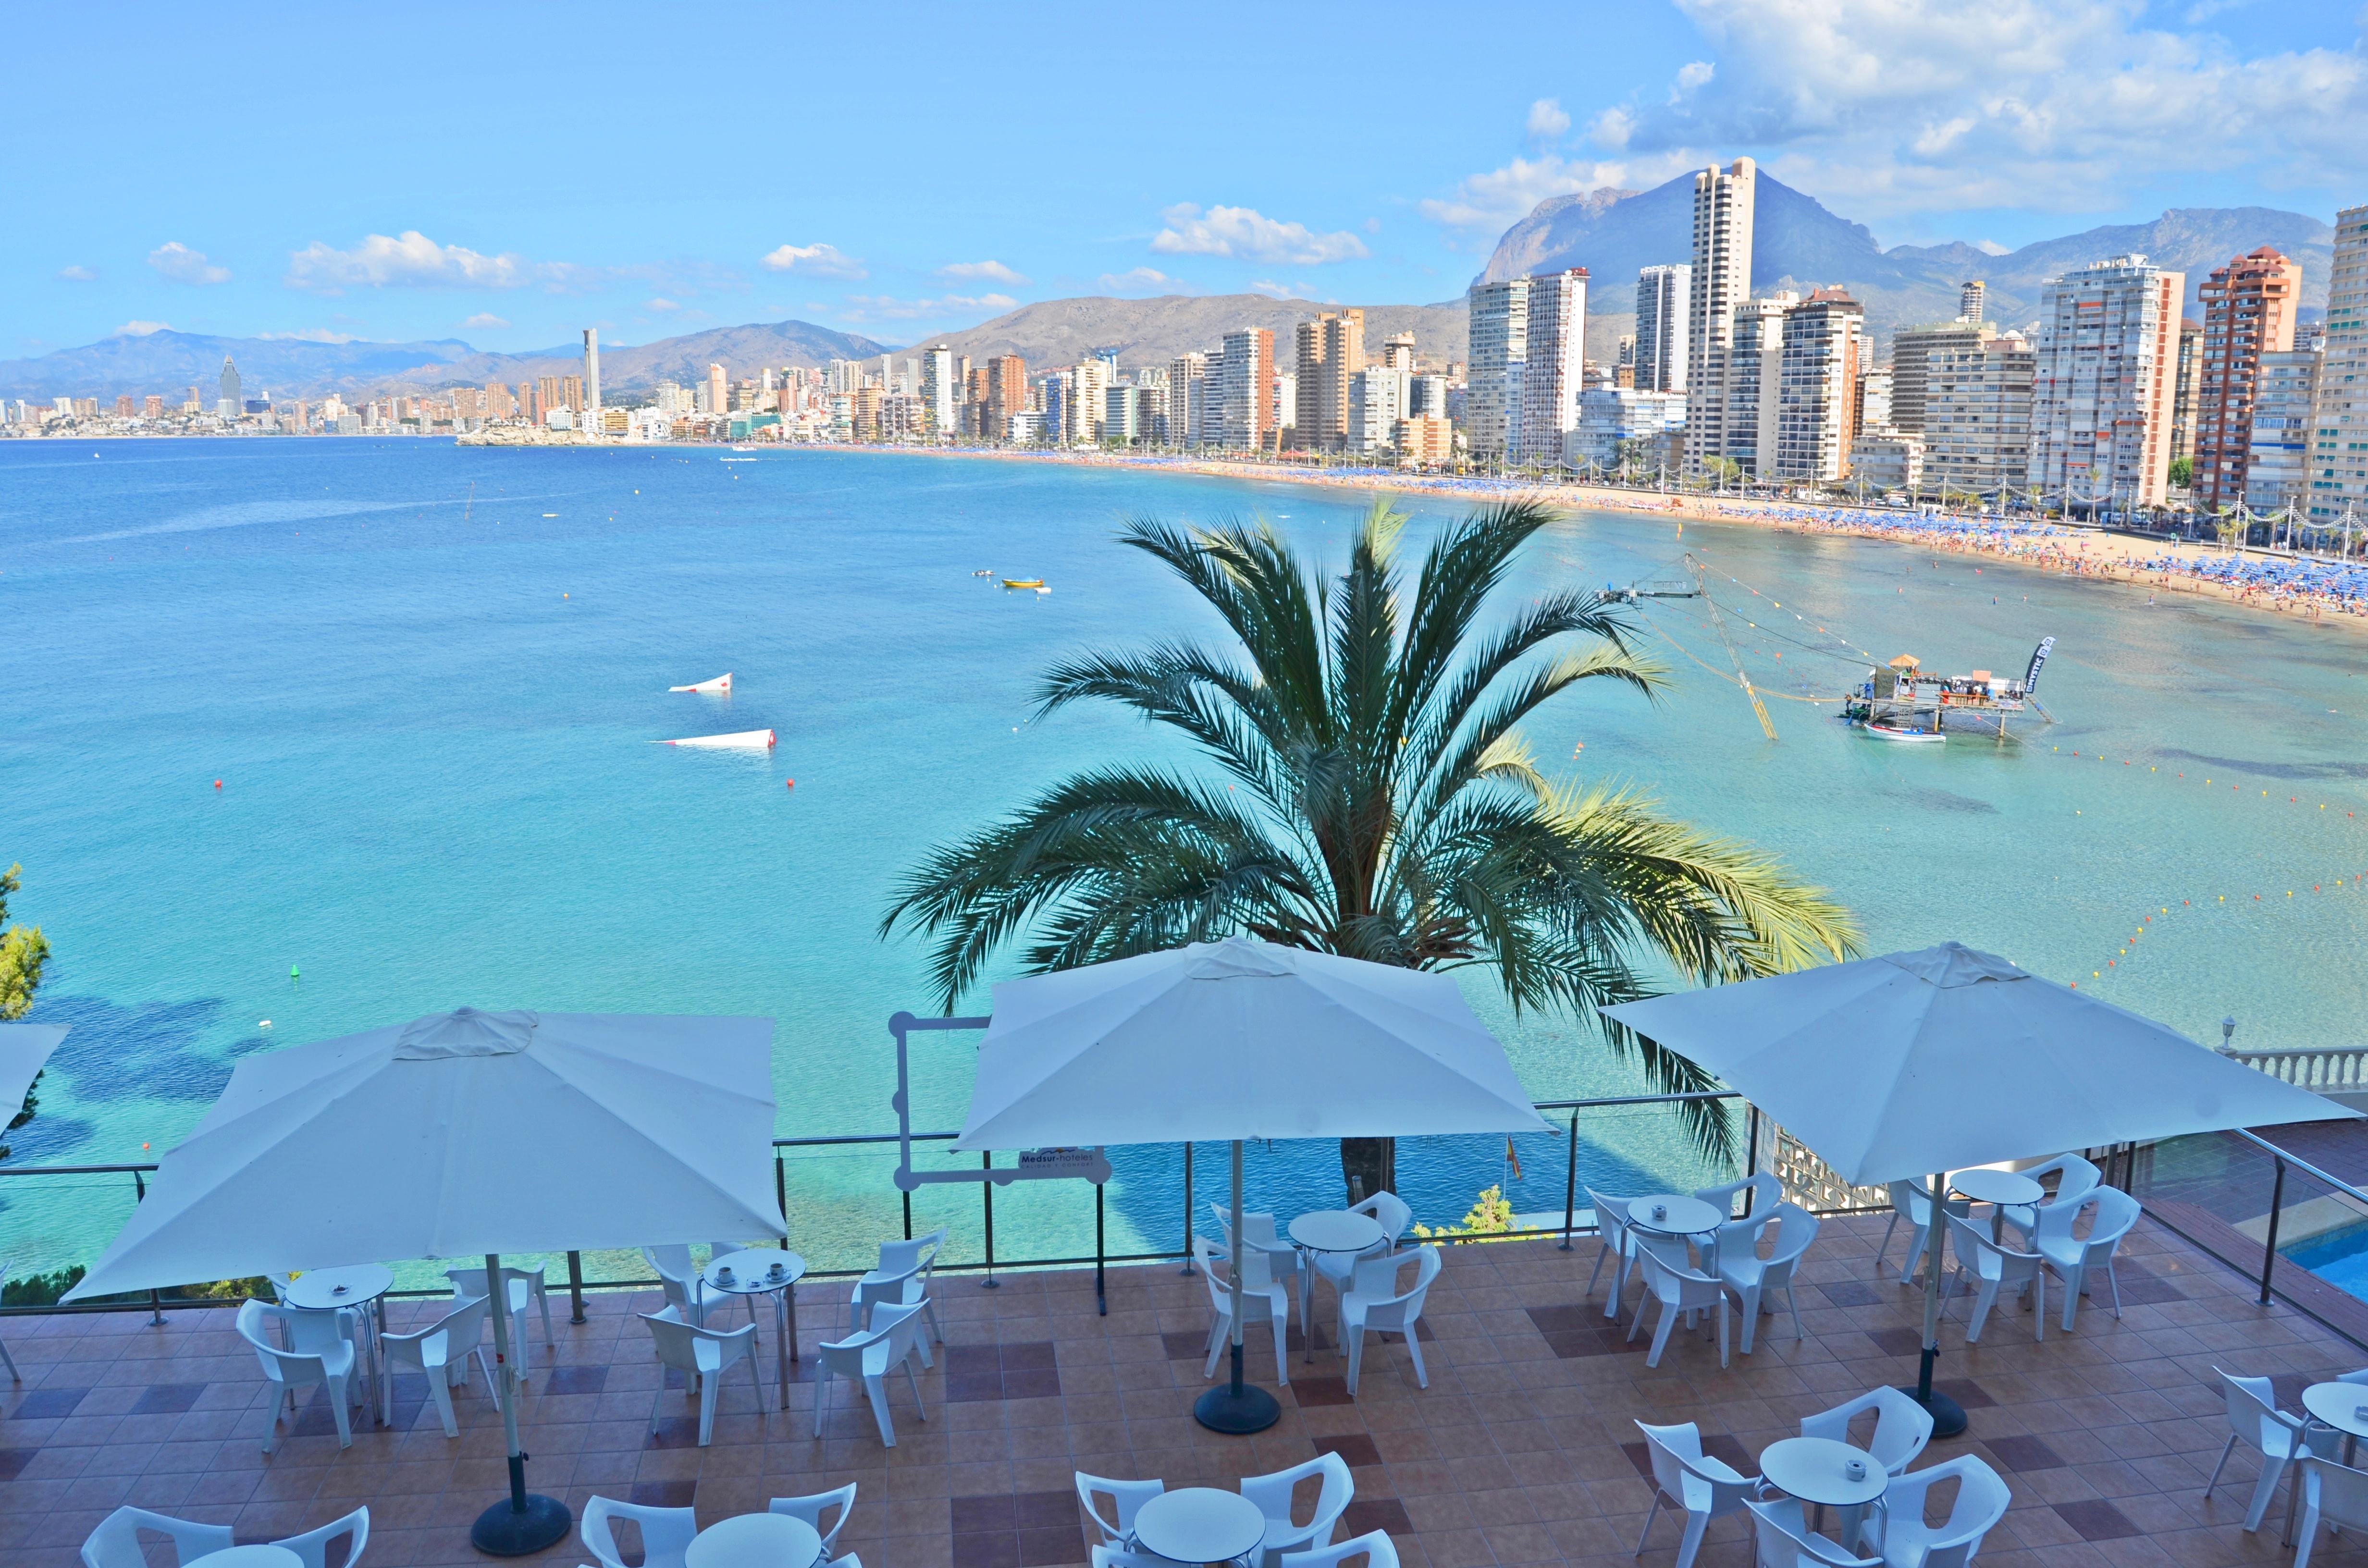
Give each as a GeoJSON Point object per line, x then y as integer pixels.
{"type": "Point", "coordinates": [1371, 796]}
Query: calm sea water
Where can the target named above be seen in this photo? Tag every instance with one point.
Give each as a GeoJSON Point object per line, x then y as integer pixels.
{"type": "Point", "coordinates": [427, 679]}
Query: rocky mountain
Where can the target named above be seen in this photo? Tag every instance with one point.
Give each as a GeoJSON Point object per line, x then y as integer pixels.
{"type": "Point", "coordinates": [1798, 244]}
{"type": "Point", "coordinates": [1154, 331]}
{"type": "Point", "coordinates": [741, 350]}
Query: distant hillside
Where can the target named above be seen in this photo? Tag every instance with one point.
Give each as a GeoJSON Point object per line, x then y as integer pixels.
{"type": "Point", "coordinates": [1152, 332]}
{"type": "Point", "coordinates": [1798, 243]}
{"type": "Point", "coordinates": [741, 350]}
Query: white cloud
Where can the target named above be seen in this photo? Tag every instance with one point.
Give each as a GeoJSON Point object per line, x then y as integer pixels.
{"type": "Point", "coordinates": [79, 274]}
{"type": "Point", "coordinates": [660, 303]}
{"type": "Point", "coordinates": [310, 335]}
{"type": "Point", "coordinates": [1493, 201]}
{"type": "Point", "coordinates": [1139, 279]}
{"type": "Point", "coordinates": [413, 260]}
{"type": "Point", "coordinates": [1272, 289]}
{"type": "Point", "coordinates": [1990, 248]}
{"type": "Point", "coordinates": [814, 261]}
{"type": "Point", "coordinates": [141, 328]}
{"type": "Point", "coordinates": [1547, 119]}
{"type": "Point", "coordinates": [484, 321]}
{"type": "Point", "coordinates": [882, 307]}
{"type": "Point", "coordinates": [982, 272]}
{"type": "Point", "coordinates": [1245, 232]}
{"type": "Point", "coordinates": [182, 265]}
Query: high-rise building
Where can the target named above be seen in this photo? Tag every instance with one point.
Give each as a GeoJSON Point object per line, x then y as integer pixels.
{"type": "Point", "coordinates": [1969, 300]}
{"type": "Point", "coordinates": [229, 398]}
{"type": "Point", "coordinates": [1884, 460]}
{"type": "Point", "coordinates": [571, 393]}
{"type": "Point", "coordinates": [2248, 310]}
{"type": "Point", "coordinates": [1241, 383]}
{"type": "Point", "coordinates": [2101, 383]}
{"type": "Point", "coordinates": [1006, 394]}
{"type": "Point", "coordinates": [718, 397]}
{"type": "Point", "coordinates": [938, 391]}
{"type": "Point", "coordinates": [2339, 440]}
{"type": "Point", "coordinates": [1663, 300]}
{"type": "Point", "coordinates": [592, 377]}
{"type": "Point", "coordinates": [2189, 384]}
{"type": "Point", "coordinates": [152, 406]}
{"type": "Point", "coordinates": [1824, 342]}
{"type": "Point", "coordinates": [2277, 464]}
{"type": "Point", "coordinates": [1330, 349]}
{"type": "Point", "coordinates": [1185, 373]}
{"type": "Point", "coordinates": [1090, 381]}
{"type": "Point", "coordinates": [1398, 353]}
{"type": "Point", "coordinates": [1552, 362]}
{"type": "Point", "coordinates": [1720, 280]}
{"type": "Point", "coordinates": [1751, 369]}
{"type": "Point", "coordinates": [1624, 428]}
{"type": "Point", "coordinates": [1912, 349]}
{"type": "Point", "coordinates": [1499, 317]}
{"type": "Point", "coordinates": [1873, 411]}
{"type": "Point", "coordinates": [1977, 414]}
{"type": "Point", "coordinates": [1378, 399]}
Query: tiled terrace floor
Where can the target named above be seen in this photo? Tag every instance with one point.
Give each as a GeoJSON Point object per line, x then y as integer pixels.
{"type": "Point", "coordinates": [1521, 1450]}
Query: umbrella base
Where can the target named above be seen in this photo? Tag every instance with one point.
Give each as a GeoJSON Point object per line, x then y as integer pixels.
{"type": "Point", "coordinates": [503, 1530]}
{"type": "Point", "coordinates": [1236, 1411]}
{"type": "Point", "coordinates": [1948, 1415]}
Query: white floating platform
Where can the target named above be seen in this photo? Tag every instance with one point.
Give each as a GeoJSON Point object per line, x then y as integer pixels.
{"type": "Point", "coordinates": [722, 683]}
{"type": "Point", "coordinates": [746, 739]}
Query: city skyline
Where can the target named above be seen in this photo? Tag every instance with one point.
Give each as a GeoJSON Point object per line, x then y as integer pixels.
{"type": "Point", "coordinates": [642, 214]}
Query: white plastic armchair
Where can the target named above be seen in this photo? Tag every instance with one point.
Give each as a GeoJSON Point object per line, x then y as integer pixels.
{"type": "Point", "coordinates": [1374, 1301]}
{"type": "Point", "coordinates": [1781, 1538]}
{"type": "Point", "coordinates": [892, 1341]}
{"type": "Point", "coordinates": [1374, 1546]}
{"type": "Point", "coordinates": [441, 1351]}
{"type": "Point", "coordinates": [322, 1356]}
{"type": "Point", "coordinates": [1689, 1482]}
{"type": "Point", "coordinates": [1755, 1280]}
{"type": "Point", "coordinates": [1902, 1427]}
{"type": "Point", "coordinates": [312, 1548]}
{"type": "Point", "coordinates": [1901, 1537]}
{"type": "Point", "coordinates": [748, 1299]}
{"type": "Point", "coordinates": [1912, 1202]}
{"type": "Point", "coordinates": [1679, 1290]}
{"type": "Point", "coordinates": [810, 1509]}
{"type": "Point", "coordinates": [2076, 1178]}
{"type": "Point", "coordinates": [525, 1288]}
{"type": "Point", "coordinates": [1765, 1192]}
{"type": "Point", "coordinates": [1269, 1259]}
{"type": "Point", "coordinates": [1386, 1209]}
{"type": "Point", "coordinates": [116, 1542]}
{"type": "Point", "coordinates": [1993, 1267]}
{"type": "Point", "coordinates": [1619, 1241]}
{"type": "Point", "coordinates": [903, 1279]}
{"type": "Point", "coordinates": [2255, 1420]}
{"type": "Point", "coordinates": [1127, 1498]}
{"type": "Point", "coordinates": [667, 1533]}
{"type": "Point", "coordinates": [702, 1356]}
{"type": "Point", "coordinates": [1273, 1495]}
{"type": "Point", "coordinates": [1119, 1557]}
{"type": "Point", "coordinates": [2074, 1257]}
{"type": "Point", "coordinates": [2333, 1495]}
{"type": "Point", "coordinates": [679, 1279]}
{"type": "Point", "coordinates": [1269, 1306]}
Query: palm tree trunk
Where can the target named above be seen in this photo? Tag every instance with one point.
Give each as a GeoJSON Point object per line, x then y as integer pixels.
{"type": "Point", "coordinates": [1369, 1166]}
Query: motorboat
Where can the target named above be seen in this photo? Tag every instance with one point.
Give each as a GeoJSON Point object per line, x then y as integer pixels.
{"type": "Point", "coordinates": [745, 740]}
{"type": "Point", "coordinates": [1024, 581]}
{"type": "Point", "coordinates": [721, 684]}
{"type": "Point", "coordinates": [1900, 733]}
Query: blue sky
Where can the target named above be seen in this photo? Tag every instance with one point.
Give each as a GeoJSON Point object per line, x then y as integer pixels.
{"type": "Point", "coordinates": [508, 173]}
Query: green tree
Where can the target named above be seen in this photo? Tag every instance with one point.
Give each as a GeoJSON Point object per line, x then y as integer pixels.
{"type": "Point", "coordinates": [2182, 473]}
{"type": "Point", "coordinates": [23, 951]}
{"type": "Point", "coordinates": [1373, 797]}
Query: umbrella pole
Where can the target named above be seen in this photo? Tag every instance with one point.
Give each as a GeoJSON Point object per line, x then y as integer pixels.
{"type": "Point", "coordinates": [523, 1523]}
{"type": "Point", "coordinates": [1237, 1408]}
{"type": "Point", "coordinates": [1948, 1415]}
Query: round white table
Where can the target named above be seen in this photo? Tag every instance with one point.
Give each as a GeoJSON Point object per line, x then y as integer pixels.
{"type": "Point", "coordinates": [2343, 1406]}
{"type": "Point", "coordinates": [247, 1557]}
{"type": "Point", "coordinates": [1198, 1524]}
{"type": "Point", "coordinates": [764, 1271]}
{"type": "Point", "coordinates": [2001, 1189]}
{"type": "Point", "coordinates": [755, 1540]}
{"type": "Point", "coordinates": [1817, 1470]}
{"type": "Point", "coordinates": [362, 1285]}
{"type": "Point", "coordinates": [1330, 1230]}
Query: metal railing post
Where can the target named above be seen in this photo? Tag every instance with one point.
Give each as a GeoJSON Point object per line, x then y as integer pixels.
{"type": "Point", "coordinates": [1101, 1300]}
{"type": "Point", "coordinates": [574, 1286]}
{"type": "Point", "coordinates": [2270, 1247]}
{"type": "Point", "coordinates": [986, 1197]}
{"type": "Point", "coordinates": [1570, 1182]}
{"type": "Point", "coordinates": [781, 1194]}
{"type": "Point", "coordinates": [1188, 1210]}
{"type": "Point", "coordinates": [155, 1299]}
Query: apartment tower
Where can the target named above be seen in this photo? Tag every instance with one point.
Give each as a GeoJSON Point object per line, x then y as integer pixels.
{"type": "Point", "coordinates": [2248, 310]}
{"type": "Point", "coordinates": [1720, 281]}
{"type": "Point", "coordinates": [938, 391]}
{"type": "Point", "coordinates": [1970, 299]}
{"type": "Point", "coordinates": [2101, 383]}
{"type": "Point", "coordinates": [1824, 343]}
{"type": "Point", "coordinates": [1662, 301]}
{"type": "Point", "coordinates": [2339, 440]}
{"type": "Point", "coordinates": [592, 374]}
{"type": "Point", "coordinates": [1552, 362]}
{"type": "Point", "coordinates": [1330, 349]}
{"type": "Point", "coordinates": [1977, 414]}
{"type": "Point", "coordinates": [1912, 349]}
{"type": "Point", "coordinates": [1006, 394]}
{"type": "Point", "coordinates": [1500, 342]}
{"type": "Point", "coordinates": [1242, 379]}
{"type": "Point", "coordinates": [2191, 388]}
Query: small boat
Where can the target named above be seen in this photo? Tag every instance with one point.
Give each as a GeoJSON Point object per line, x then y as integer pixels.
{"type": "Point", "coordinates": [722, 684]}
{"type": "Point", "coordinates": [1899, 732]}
{"type": "Point", "coordinates": [746, 739]}
{"type": "Point", "coordinates": [981, 574]}
{"type": "Point", "coordinates": [1024, 581]}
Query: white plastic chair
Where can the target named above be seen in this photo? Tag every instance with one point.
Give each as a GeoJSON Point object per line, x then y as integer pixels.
{"type": "Point", "coordinates": [1374, 1301]}
{"type": "Point", "coordinates": [1278, 1260]}
{"type": "Point", "coordinates": [1387, 1209]}
{"type": "Point", "coordinates": [810, 1509]}
{"type": "Point", "coordinates": [1619, 1241]}
{"type": "Point", "coordinates": [323, 1355]}
{"type": "Point", "coordinates": [441, 1351]}
{"type": "Point", "coordinates": [2072, 1257]}
{"type": "Point", "coordinates": [1679, 1290]}
{"type": "Point", "coordinates": [1127, 1498]}
{"type": "Point", "coordinates": [1766, 1192]}
{"type": "Point", "coordinates": [892, 1341]}
{"type": "Point", "coordinates": [1781, 1538]}
{"type": "Point", "coordinates": [1375, 1547]}
{"type": "Point", "coordinates": [1271, 1305]}
{"type": "Point", "coordinates": [525, 1286]}
{"type": "Point", "coordinates": [679, 1279]}
{"type": "Point", "coordinates": [1901, 1537]}
{"type": "Point", "coordinates": [1119, 1557]}
{"type": "Point", "coordinates": [1754, 1278]}
{"type": "Point", "coordinates": [1688, 1482]}
{"type": "Point", "coordinates": [2076, 1178]}
{"type": "Point", "coordinates": [2255, 1420]}
{"type": "Point", "coordinates": [903, 1278]}
{"type": "Point", "coordinates": [746, 1299]}
{"type": "Point", "coordinates": [667, 1533]}
{"type": "Point", "coordinates": [116, 1542]}
{"type": "Point", "coordinates": [702, 1356]}
{"type": "Point", "coordinates": [312, 1548]}
{"type": "Point", "coordinates": [1911, 1202]}
{"type": "Point", "coordinates": [1996, 1268]}
{"type": "Point", "coordinates": [1902, 1427]}
{"type": "Point", "coordinates": [2331, 1493]}
{"type": "Point", "coordinates": [6, 1265]}
{"type": "Point", "coordinates": [1273, 1495]}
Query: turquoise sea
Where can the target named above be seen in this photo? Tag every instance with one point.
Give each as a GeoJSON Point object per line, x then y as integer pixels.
{"type": "Point", "coordinates": [427, 679]}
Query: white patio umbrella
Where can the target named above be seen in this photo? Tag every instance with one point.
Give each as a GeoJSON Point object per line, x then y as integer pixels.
{"type": "Point", "coordinates": [466, 1134]}
{"type": "Point", "coordinates": [24, 1051]}
{"type": "Point", "coordinates": [1897, 1067]}
{"type": "Point", "coordinates": [1233, 1041]}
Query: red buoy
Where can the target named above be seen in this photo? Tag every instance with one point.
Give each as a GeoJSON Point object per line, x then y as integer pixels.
{"type": "Point", "coordinates": [793, 784]}
{"type": "Point", "coordinates": [217, 783]}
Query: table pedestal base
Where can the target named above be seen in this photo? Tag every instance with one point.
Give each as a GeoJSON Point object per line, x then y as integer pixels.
{"type": "Point", "coordinates": [1948, 1415]}
{"type": "Point", "coordinates": [503, 1530]}
{"type": "Point", "coordinates": [1236, 1408]}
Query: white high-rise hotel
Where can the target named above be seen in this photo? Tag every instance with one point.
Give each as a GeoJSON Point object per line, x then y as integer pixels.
{"type": "Point", "coordinates": [1551, 364]}
{"type": "Point", "coordinates": [1662, 304]}
{"type": "Point", "coordinates": [2102, 383]}
{"type": "Point", "coordinates": [2337, 464]}
{"type": "Point", "coordinates": [1721, 280]}
{"type": "Point", "coordinates": [1500, 342]}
